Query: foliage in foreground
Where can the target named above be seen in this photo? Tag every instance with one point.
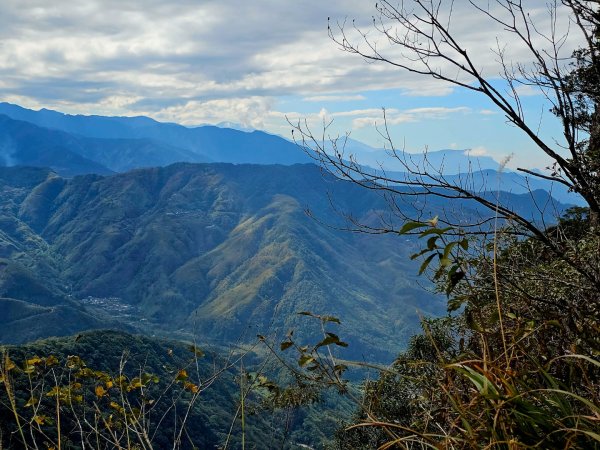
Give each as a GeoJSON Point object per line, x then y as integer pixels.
{"type": "Point", "coordinates": [517, 367]}
{"type": "Point", "coordinates": [108, 390]}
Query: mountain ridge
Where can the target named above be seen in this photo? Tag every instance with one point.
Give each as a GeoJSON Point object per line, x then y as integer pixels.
{"type": "Point", "coordinates": [209, 142]}
{"type": "Point", "coordinates": [100, 144]}
{"type": "Point", "coordinates": [225, 250]}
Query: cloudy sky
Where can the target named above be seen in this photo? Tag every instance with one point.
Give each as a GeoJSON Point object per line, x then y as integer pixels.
{"type": "Point", "coordinates": [253, 63]}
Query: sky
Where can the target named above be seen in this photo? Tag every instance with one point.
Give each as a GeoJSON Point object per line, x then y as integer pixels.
{"type": "Point", "coordinates": [259, 64]}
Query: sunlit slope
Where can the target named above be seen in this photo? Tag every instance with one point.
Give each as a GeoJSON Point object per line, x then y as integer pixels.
{"type": "Point", "coordinates": [220, 249]}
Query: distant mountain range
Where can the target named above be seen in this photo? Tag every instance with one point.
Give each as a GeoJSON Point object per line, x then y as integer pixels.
{"type": "Point", "coordinates": [458, 167]}
{"type": "Point", "coordinates": [103, 230]}
{"type": "Point", "coordinates": [78, 144]}
{"type": "Point", "coordinates": [149, 143]}
{"type": "Point", "coordinates": [449, 162]}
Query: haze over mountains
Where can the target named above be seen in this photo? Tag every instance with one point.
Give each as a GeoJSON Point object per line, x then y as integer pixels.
{"type": "Point", "coordinates": [161, 233]}
{"type": "Point", "coordinates": [148, 140]}
{"type": "Point", "coordinates": [451, 162]}
{"type": "Point", "coordinates": [77, 144]}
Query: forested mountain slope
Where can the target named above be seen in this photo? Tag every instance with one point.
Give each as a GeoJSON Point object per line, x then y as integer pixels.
{"type": "Point", "coordinates": [218, 250]}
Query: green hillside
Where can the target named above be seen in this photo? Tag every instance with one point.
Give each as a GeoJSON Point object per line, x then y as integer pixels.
{"type": "Point", "coordinates": [219, 250]}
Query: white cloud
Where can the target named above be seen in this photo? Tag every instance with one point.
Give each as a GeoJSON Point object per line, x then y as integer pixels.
{"type": "Point", "coordinates": [525, 90]}
{"type": "Point", "coordinates": [364, 122]}
{"type": "Point", "coordinates": [363, 112]}
{"type": "Point", "coordinates": [396, 117]}
{"type": "Point", "coordinates": [437, 112]}
{"type": "Point", "coordinates": [427, 88]}
{"type": "Point", "coordinates": [179, 58]}
{"type": "Point", "coordinates": [477, 151]}
{"type": "Point", "coordinates": [249, 112]}
{"type": "Point", "coordinates": [334, 98]}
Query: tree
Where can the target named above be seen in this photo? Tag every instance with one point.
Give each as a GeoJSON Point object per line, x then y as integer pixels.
{"type": "Point", "coordinates": [422, 29]}
{"type": "Point", "coordinates": [518, 366]}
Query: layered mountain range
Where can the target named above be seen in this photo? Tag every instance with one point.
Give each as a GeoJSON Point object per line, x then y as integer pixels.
{"type": "Point", "coordinates": [78, 144]}
{"type": "Point", "coordinates": [219, 251]}
{"type": "Point", "coordinates": [119, 144]}
{"type": "Point", "coordinates": [212, 249]}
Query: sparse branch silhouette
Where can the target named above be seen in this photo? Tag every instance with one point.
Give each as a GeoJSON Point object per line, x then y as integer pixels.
{"type": "Point", "coordinates": [420, 39]}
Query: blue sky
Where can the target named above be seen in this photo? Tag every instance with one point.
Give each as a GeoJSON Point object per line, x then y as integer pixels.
{"type": "Point", "coordinates": [253, 63]}
{"type": "Point", "coordinates": [457, 120]}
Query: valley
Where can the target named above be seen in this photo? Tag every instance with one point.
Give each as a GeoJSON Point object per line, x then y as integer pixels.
{"type": "Point", "coordinates": [219, 252]}
{"type": "Point", "coordinates": [212, 248]}
{"type": "Point", "coordinates": [230, 255]}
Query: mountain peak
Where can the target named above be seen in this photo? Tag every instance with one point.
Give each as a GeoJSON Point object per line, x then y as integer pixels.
{"type": "Point", "coordinates": [158, 143]}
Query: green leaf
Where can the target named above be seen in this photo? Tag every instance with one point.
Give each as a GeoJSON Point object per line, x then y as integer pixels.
{"type": "Point", "coordinates": [483, 385]}
{"type": "Point", "coordinates": [455, 303]}
{"type": "Point", "coordinates": [53, 392]}
{"type": "Point", "coordinates": [578, 356]}
{"type": "Point", "coordinates": [455, 275]}
{"type": "Point", "coordinates": [449, 248]}
{"type": "Point", "coordinates": [196, 351]}
{"type": "Point", "coordinates": [591, 434]}
{"type": "Point", "coordinates": [409, 226]}
{"type": "Point", "coordinates": [136, 383]}
{"type": "Point", "coordinates": [431, 243]}
{"type": "Point", "coordinates": [34, 361]}
{"type": "Point", "coordinates": [426, 263]}
{"type": "Point", "coordinates": [40, 420]}
{"type": "Point", "coordinates": [331, 339]}
{"type": "Point", "coordinates": [438, 231]}
{"type": "Point", "coordinates": [327, 341]}
{"type": "Point", "coordinates": [331, 319]}
{"type": "Point", "coordinates": [8, 364]}
{"type": "Point", "coordinates": [304, 360]}
{"type": "Point", "coordinates": [421, 253]}
{"type": "Point", "coordinates": [340, 368]}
